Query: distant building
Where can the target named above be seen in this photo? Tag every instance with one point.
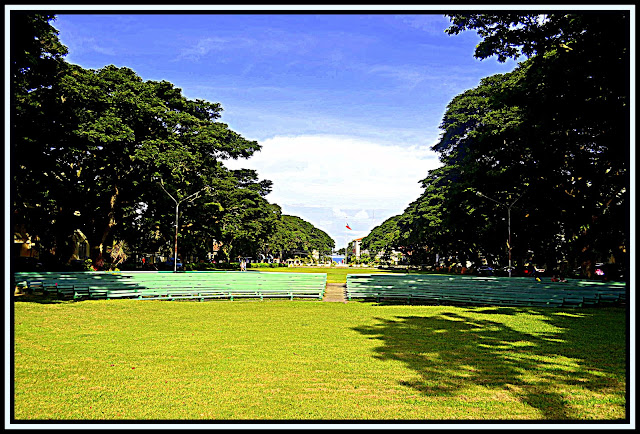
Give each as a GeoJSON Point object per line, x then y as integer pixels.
{"type": "Point", "coordinates": [357, 248]}
{"type": "Point", "coordinates": [394, 256]}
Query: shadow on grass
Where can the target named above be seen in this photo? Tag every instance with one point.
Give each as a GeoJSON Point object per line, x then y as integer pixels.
{"type": "Point", "coordinates": [579, 351]}
{"type": "Point", "coordinates": [69, 280]}
{"type": "Point", "coordinates": [40, 299]}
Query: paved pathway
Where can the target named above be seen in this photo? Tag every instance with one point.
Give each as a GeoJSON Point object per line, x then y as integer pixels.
{"type": "Point", "coordinates": [335, 292]}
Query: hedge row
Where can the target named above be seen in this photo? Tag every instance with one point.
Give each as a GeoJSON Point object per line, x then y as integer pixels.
{"type": "Point", "coordinates": [204, 266]}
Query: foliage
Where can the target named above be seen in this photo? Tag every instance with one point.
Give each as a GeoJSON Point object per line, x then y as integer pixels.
{"type": "Point", "coordinates": [511, 35]}
{"type": "Point", "coordinates": [295, 236]}
{"type": "Point", "coordinates": [208, 266]}
{"type": "Point", "coordinates": [556, 129]}
{"type": "Point", "coordinates": [36, 64]}
{"type": "Point", "coordinates": [118, 252]}
{"type": "Point", "coordinates": [89, 148]}
{"type": "Point", "coordinates": [228, 266]}
{"type": "Point", "coordinates": [266, 265]}
{"type": "Point", "coordinates": [36, 56]}
{"type": "Point", "coordinates": [383, 237]}
{"type": "Point", "coordinates": [552, 135]}
{"type": "Point", "coordinates": [236, 215]}
{"type": "Point", "coordinates": [366, 259]}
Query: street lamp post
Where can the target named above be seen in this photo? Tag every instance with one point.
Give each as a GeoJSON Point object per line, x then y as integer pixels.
{"type": "Point", "coordinates": [178, 202]}
{"type": "Point", "coordinates": [508, 220]}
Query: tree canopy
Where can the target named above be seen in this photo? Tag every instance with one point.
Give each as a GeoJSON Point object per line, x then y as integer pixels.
{"type": "Point", "coordinates": [545, 147]}
{"type": "Point", "coordinates": [553, 134]}
{"type": "Point", "coordinates": [383, 237]}
{"type": "Point", "coordinates": [90, 148]}
{"type": "Point", "coordinates": [297, 237]}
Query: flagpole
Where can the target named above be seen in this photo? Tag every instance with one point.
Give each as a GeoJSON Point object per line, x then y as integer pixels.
{"type": "Point", "coordinates": [346, 249]}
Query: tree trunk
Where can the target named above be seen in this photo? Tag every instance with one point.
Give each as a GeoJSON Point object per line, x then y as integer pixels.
{"type": "Point", "coordinates": [98, 249]}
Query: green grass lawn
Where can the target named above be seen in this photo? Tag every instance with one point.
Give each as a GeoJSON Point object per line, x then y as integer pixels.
{"type": "Point", "coordinates": [305, 360]}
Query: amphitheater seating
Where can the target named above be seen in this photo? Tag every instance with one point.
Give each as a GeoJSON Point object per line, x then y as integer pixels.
{"type": "Point", "coordinates": [198, 285]}
{"type": "Point", "coordinates": [468, 290]}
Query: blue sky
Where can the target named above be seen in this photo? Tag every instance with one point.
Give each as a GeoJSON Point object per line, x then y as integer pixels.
{"type": "Point", "coordinates": [346, 106]}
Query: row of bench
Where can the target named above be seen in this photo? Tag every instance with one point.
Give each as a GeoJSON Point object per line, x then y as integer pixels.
{"type": "Point", "coordinates": [199, 285]}
{"type": "Point", "coordinates": [438, 289]}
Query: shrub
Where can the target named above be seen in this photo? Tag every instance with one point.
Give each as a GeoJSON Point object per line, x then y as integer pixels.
{"type": "Point", "coordinates": [265, 265]}
{"type": "Point", "coordinates": [207, 266]}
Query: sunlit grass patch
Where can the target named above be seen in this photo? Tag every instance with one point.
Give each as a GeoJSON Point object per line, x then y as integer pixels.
{"type": "Point", "coordinates": [334, 274]}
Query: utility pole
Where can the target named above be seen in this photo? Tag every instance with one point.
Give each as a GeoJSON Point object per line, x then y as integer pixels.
{"type": "Point", "coordinates": [178, 202]}
{"type": "Point", "coordinates": [508, 220]}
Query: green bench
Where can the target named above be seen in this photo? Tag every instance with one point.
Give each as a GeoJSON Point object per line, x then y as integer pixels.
{"type": "Point", "coordinates": [471, 290]}
{"type": "Point", "coordinates": [178, 286]}
{"type": "Point", "coordinates": [59, 283]}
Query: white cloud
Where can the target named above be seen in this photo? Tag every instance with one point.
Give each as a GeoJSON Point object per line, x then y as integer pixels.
{"type": "Point", "coordinates": [432, 24]}
{"type": "Point", "coordinates": [337, 212]}
{"type": "Point", "coordinates": [91, 45]}
{"type": "Point", "coordinates": [362, 215]}
{"type": "Point", "coordinates": [323, 178]}
{"type": "Point", "coordinates": [206, 45]}
{"type": "Point", "coordinates": [410, 75]}
{"type": "Point", "coordinates": [340, 172]}
{"type": "Point", "coordinates": [271, 42]}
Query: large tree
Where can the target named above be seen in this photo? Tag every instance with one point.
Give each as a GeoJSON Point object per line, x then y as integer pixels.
{"type": "Point", "coordinates": [552, 137]}
{"type": "Point", "coordinates": [36, 64]}
{"type": "Point", "coordinates": [564, 115]}
{"type": "Point", "coordinates": [295, 236]}
{"type": "Point", "coordinates": [384, 237]}
{"type": "Point", "coordinates": [240, 218]}
{"type": "Point", "coordinates": [89, 146]}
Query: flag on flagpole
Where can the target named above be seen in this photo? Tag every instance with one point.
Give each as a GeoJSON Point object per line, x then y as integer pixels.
{"type": "Point", "coordinates": [349, 227]}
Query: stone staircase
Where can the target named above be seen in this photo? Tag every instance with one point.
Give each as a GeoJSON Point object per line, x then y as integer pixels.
{"type": "Point", "coordinates": [335, 292]}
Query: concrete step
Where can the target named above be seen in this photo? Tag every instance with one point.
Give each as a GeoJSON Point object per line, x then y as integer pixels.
{"type": "Point", "coordinates": [335, 293]}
